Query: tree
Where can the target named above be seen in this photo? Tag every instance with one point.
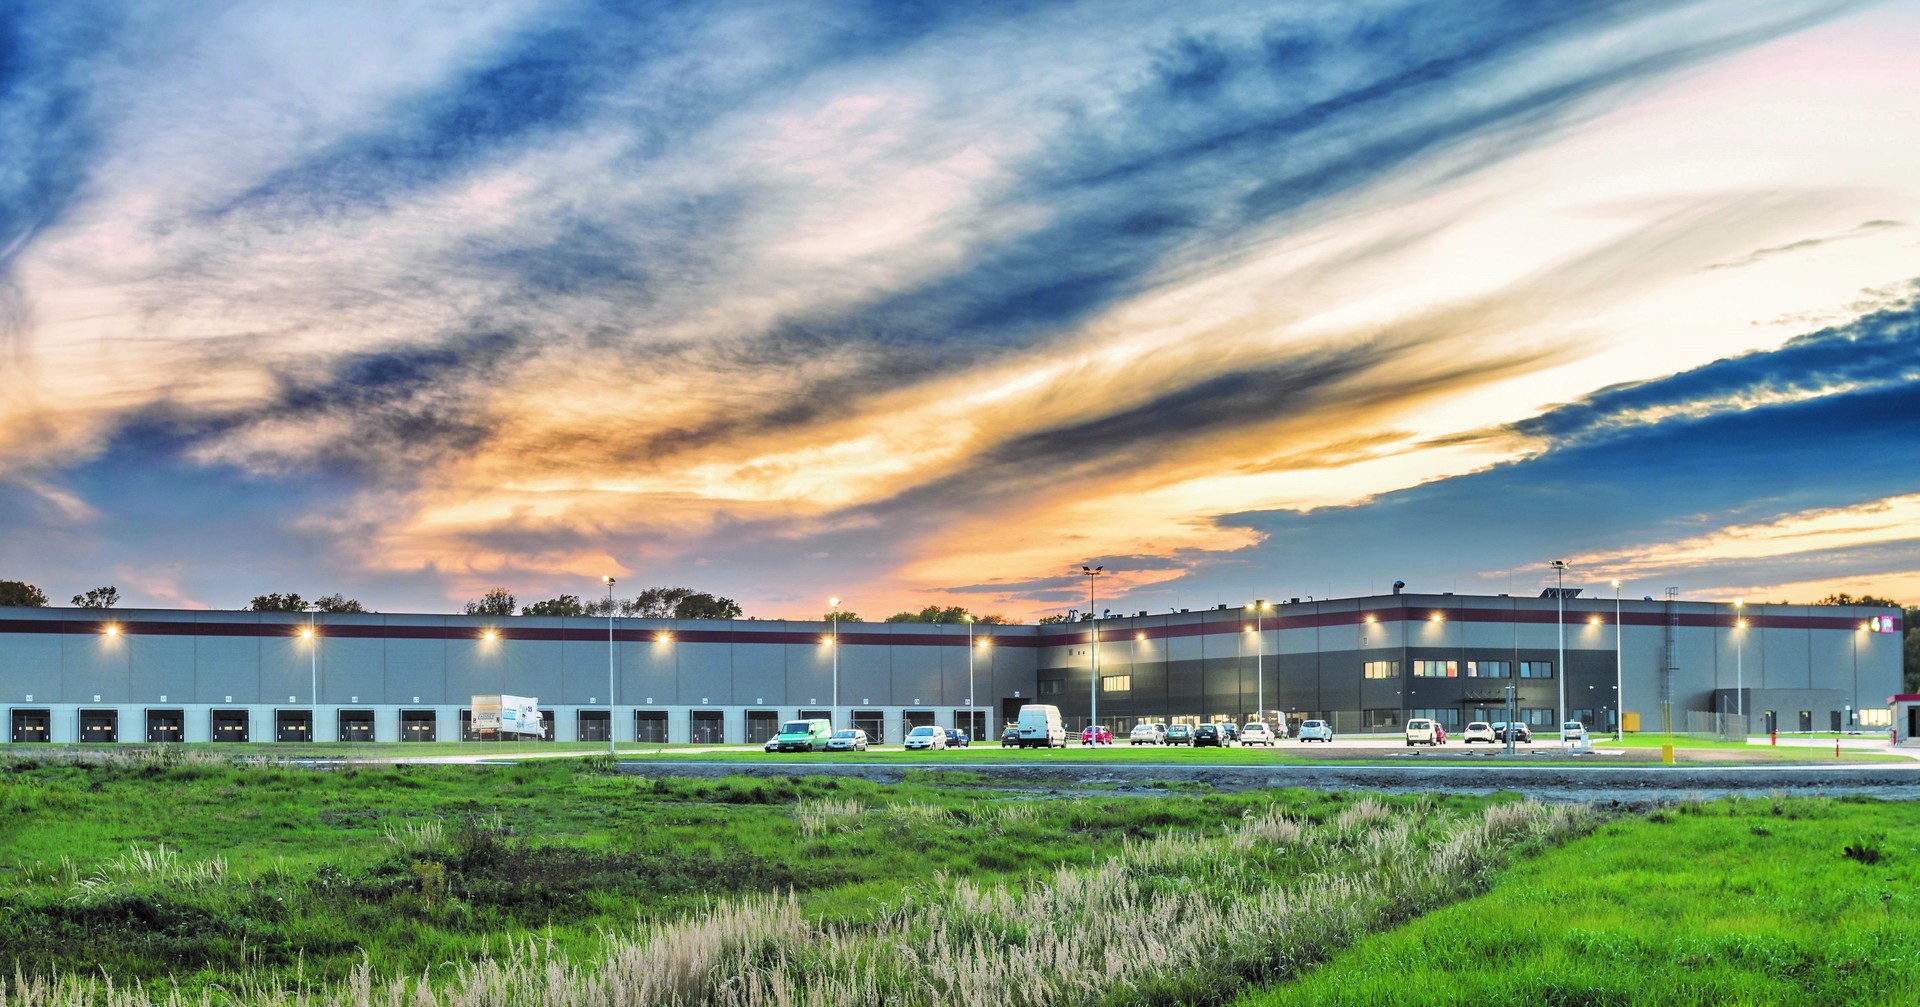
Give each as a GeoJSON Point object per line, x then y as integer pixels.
{"type": "Point", "coordinates": [19, 594]}
{"type": "Point", "coordinates": [656, 602]}
{"type": "Point", "coordinates": [706, 606]}
{"type": "Point", "coordinates": [1844, 598]}
{"type": "Point", "coordinates": [277, 603]}
{"type": "Point", "coordinates": [1049, 620]}
{"type": "Point", "coordinates": [99, 597]}
{"type": "Point", "coordinates": [337, 602]}
{"type": "Point", "coordinates": [932, 613]}
{"type": "Point", "coordinates": [566, 604]}
{"type": "Point", "coordinates": [842, 615]}
{"type": "Point", "coordinates": [498, 601]}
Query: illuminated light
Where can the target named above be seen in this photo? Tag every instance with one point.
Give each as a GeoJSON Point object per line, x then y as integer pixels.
{"type": "Point", "coordinates": [1742, 624]}
{"type": "Point", "coordinates": [826, 641]}
{"type": "Point", "coordinates": [984, 643]}
{"type": "Point", "coordinates": [1247, 629]}
{"type": "Point", "coordinates": [113, 629]}
{"type": "Point", "coordinates": [1593, 620]}
{"type": "Point", "coordinates": [306, 633]}
{"type": "Point", "coordinates": [663, 638]}
{"type": "Point", "coordinates": [1863, 627]}
{"type": "Point", "coordinates": [835, 602]}
{"type": "Point", "coordinates": [1369, 618]}
{"type": "Point", "coordinates": [1616, 582]}
{"type": "Point", "coordinates": [1739, 602]}
{"type": "Point", "coordinates": [489, 635]}
{"type": "Point", "coordinates": [1437, 617]}
{"type": "Point", "coordinates": [1142, 636]}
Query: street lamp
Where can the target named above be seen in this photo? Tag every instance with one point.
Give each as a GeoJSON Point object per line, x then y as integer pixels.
{"type": "Point", "coordinates": [1259, 608]}
{"type": "Point", "coordinates": [1619, 672]}
{"type": "Point", "coordinates": [1739, 672]}
{"type": "Point", "coordinates": [973, 728]}
{"type": "Point", "coordinates": [1560, 601]}
{"type": "Point", "coordinates": [835, 602]}
{"type": "Point", "coordinates": [610, 683]}
{"type": "Point", "coordinates": [1093, 656]}
{"type": "Point", "coordinates": [313, 680]}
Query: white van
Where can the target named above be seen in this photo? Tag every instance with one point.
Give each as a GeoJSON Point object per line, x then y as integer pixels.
{"type": "Point", "coordinates": [1041, 727]}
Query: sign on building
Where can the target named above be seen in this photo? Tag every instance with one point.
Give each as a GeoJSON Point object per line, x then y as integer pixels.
{"type": "Point", "coordinates": [508, 715]}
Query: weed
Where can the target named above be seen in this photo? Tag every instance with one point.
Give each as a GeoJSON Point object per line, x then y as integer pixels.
{"type": "Point", "coordinates": [1859, 852]}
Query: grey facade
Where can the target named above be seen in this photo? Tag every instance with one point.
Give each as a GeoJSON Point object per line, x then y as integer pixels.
{"type": "Point", "coordinates": [1364, 663]}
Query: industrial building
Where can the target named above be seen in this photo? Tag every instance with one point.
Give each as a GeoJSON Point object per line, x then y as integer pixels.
{"type": "Point", "coordinates": [1365, 664]}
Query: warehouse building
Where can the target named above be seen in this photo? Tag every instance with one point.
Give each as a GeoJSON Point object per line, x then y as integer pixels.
{"type": "Point", "coordinates": [1363, 663]}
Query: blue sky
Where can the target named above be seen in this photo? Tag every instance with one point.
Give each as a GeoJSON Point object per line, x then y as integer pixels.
{"type": "Point", "coordinates": [917, 303]}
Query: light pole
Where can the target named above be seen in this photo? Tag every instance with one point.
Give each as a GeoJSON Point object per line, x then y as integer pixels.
{"type": "Point", "coordinates": [835, 602]}
{"type": "Point", "coordinates": [1259, 608]}
{"type": "Point", "coordinates": [1093, 656]}
{"type": "Point", "coordinates": [972, 728]}
{"type": "Point", "coordinates": [1560, 600]}
{"type": "Point", "coordinates": [610, 685]}
{"type": "Point", "coordinates": [1739, 671]}
{"type": "Point", "coordinates": [1619, 672]}
{"type": "Point", "coordinates": [313, 680]}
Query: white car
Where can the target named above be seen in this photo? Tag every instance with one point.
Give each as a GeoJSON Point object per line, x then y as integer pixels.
{"type": "Point", "coordinates": [1421, 731]}
{"type": "Point", "coordinates": [773, 744]}
{"type": "Point", "coordinates": [1315, 730]}
{"type": "Point", "coordinates": [850, 740]}
{"type": "Point", "coordinates": [1573, 732]}
{"type": "Point", "coordinates": [1256, 733]}
{"type": "Point", "coordinates": [1479, 730]}
{"type": "Point", "coordinates": [926, 737]}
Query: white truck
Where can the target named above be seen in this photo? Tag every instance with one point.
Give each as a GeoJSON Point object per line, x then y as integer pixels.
{"type": "Point", "coordinates": [1040, 726]}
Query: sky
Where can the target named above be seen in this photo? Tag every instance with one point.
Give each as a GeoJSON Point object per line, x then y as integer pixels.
{"type": "Point", "coordinates": [934, 303]}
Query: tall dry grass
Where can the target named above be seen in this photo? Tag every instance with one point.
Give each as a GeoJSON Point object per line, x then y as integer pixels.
{"type": "Point", "coordinates": [1166, 919]}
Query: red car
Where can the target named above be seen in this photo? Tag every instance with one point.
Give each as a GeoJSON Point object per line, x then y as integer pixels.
{"type": "Point", "coordinates": [1087, 737]}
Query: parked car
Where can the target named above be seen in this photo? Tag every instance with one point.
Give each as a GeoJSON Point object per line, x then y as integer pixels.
{"type": "Point", "coordinates": [1521, 732]}
{"type": "Point", "coordinates": [1257, 733]}
{"type": "Point", "coordinates": [803, 735]}
{"type": "Point", "coordinates": [1421, 731]}
{"type": "Point", "coordinates": [1010, 736]}
{"type": "Point", "coordinates": [926, 736]}
{"type": "Point", "coordinates": [1479, 730]}
{"type": "Point", "coordinates": [1148, 734]}
{"type": "Point", "coordinates": [1208, 734]}
{"type": "Point", "coordinates": [850, 740]}
{"type": "Point", "coordinates": [956, 738]}
{"type": "Point", "coordinates": [773, 744]}
{"type": "Point", "coordinates": [1315, 730]}
{"type": "Point", "coordinates": [1229, 732]}
{"type": "Point", "coordinates": [1278, 726]}
{"type": "Point", "coordinates": [1573, 732]}
{"type": "Point", "coordinates": [1096, 736]}
{"type": "Point", "coordinates": [1180, 734]}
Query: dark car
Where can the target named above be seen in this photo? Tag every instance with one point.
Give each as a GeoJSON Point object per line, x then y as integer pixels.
{"type": "Point", "coordinates": [956, 738]}
{"type": "Point", "coordinates": [1208, 734]}
{"type": "Point", "coordinates": [1180, 734]}
{"type": "Point", "coordinates": [1521, 732]}
{"type": "Point", "coordinates": [1010, 736]}
{"type": "Point", "coordinates": [1229, 731]}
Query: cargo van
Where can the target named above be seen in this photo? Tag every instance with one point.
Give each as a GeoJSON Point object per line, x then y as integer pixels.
{"type": "Point", "coordinates": [803, 736]}
{"type": "Point", "coordinates": [1041, 727]}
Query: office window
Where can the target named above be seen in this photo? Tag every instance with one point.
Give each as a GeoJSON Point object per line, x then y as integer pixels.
{"type": "Point", "coordinates": [1053, 686]}
{"type": "Point", "coordinates": [1117, 683]}
{"type": "Point", "coordinates": [1584, 716]}
{"type": "Point", "coordinates": [1383, 669]}
{"type": "Point", "coordinates": [1876, 717]}
{"type": "Point", "coordinates": [1449, 718]}
{"type": "Point", "coordinates": [1536, 669]}
{"type": "Point", "coordinates": [1489, 669]}
{"type": "Point", "coordinates": [1538, 716]}
{"type": "Point", "coordinates": [1436, 669]}
{"type": "Point", "coordinates": [1382, 718]}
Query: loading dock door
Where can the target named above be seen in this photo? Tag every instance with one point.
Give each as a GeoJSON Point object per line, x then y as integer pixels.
{"type": "Point", "coordinates": [229, 725]}
{"type": "Point", "coordinates": [650, 725]}
{"type": "Point", "coordinates": [707, 728]}
{"type": "Point", "coordinates": [762, 725]}
{"type": "Point", "coordinates": [31, 725]}
{"type": "Point", "coordinates": [416, 725]}
{"type": "Point", "coordinates": [293, 725]}
{"type": "Point", "coordinates": [100, 726]}
{"type": "Point", "coordinates": [916, 718]}
{"type": "Point", "coordinates": [356, 725]}
{"type": "Point", "coordinates": [166, 725]}
{"type": "Point", "coordinates": [595, 725]}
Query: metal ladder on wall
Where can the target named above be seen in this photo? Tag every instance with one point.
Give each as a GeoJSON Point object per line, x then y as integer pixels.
{"type": "Point", "coordinates": [1670, 665]}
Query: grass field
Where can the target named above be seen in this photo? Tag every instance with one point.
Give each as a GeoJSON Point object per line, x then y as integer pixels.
{"type": "Point", "coordinates": [1805, 901]}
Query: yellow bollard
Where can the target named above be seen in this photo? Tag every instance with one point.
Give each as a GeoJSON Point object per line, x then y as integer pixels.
{"type": "Point", "coordinates": [1666, 755]}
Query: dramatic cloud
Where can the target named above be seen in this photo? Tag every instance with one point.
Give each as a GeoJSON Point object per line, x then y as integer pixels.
{"type": "Point", "coordinates": [937, 300]}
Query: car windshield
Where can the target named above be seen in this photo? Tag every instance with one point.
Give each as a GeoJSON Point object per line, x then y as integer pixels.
{"type": "Point", "coordinates": [843, 734]}
{"type": "Point", "coordinates": [1311, 723]}
{"type": "Point", "coordinates": [1476, 727]}
{"type": "Point", "coordinates": [796, 727]}
{"type": "Point", "coordinates": [922, 732]}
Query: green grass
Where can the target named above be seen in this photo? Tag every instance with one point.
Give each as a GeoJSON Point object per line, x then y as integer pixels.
{"type": "Point", "coordinates": [182, 867]}
{"type": "Point", "coordinates": [1733, 902]}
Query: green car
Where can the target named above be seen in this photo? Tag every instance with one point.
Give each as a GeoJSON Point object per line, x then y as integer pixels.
{"type": "Point", "coordinates": [803, 736]}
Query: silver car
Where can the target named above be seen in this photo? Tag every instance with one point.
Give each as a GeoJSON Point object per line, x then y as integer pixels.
{"type": "Point", "coordinates": [1148, 734]}
{"type": "Point", "coordinates": [850, 740]}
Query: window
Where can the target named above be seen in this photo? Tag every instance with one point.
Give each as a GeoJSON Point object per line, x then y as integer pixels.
{"type": "Point", "coordinates": [1536, 669]}
{"type": "Point", "coordinates": [1117, 683]}
{"type": "Point", "coordinates": [1436, 669]}
{"type": "Point", "coordinates": [1383, 669]}
{"type": "Point", "coordinates": [1584, 716]}
{"type": "Point", "coordinates": [1537, 716]}
{"type": "Point", "coordinates": [1876, 717]}
{"type": "Point", "coordinates": [1190, 721]}
{"type": "Point", "coordinates": [1053, 686]}
{"type": "Point", "coordinates": [1382, 718]}
{"type": "Point", "coordinates": [1450, 718]}
{"type": "Point", "coordinates": [1489, 669]}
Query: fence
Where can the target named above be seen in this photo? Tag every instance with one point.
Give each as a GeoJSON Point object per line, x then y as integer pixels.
{"type": "Point", "coordinates": [1721, 726]}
